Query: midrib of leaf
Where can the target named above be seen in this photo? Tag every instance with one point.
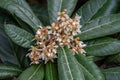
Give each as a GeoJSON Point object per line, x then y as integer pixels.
{"type": "Point", "coordinates": [60, 5]}
{"type": "Point", "coordinates": [99, 26]}
{"type": "Point", "coordinates": [83, 15]}
{"type": "Point", "coordinates": [13, 70]}
{"type": "Point", "coordinates": [34, 72]}
{"type": "Point", "coordinates": [51, 72]}
{"type": "Point", "coordinates": [100, 44]}
{"type": "Point", "coordinates": [23, 11]}
{"type": "Point", "coordinates": [115, 57]}
{"type": "Point", "coordinates": [98, 22]}
{"type": "Point", "coordinates": [20, 4]}
{"type": "Point", "coordinates": [111, 72]}
{"type": "Point", "coordinates": [99, 9]}
{"type": "Point", "coordinates": [67, 63]}
{"type": "Point", "coordinates": [28, 18]}
{"type": "Point", "coordinates": [86, 70]}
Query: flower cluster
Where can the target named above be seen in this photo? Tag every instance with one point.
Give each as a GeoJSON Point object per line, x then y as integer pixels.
{"type": "Point", "coordinates": [59, 33]}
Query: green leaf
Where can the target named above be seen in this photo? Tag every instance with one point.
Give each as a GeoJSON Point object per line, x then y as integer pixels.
{"type": "Point", "coordinates": [6, 18]}
{"type": "Point", "coordinates": [51, 71]}
{"type": "Point", "coordinates": [55, 6]}
{"type": "Point", "coordinates": [21, 12]}
{"type": "Point", "coordinates": [21, 55]}
{"type": "Point", "coordinates": [41, 12]}
{"type": "Point", "coordinates": [7, 53]}
{"type": "Point", "coordinates": [7, 47]}
{"type": "Point", "coordinates": [35, 72]}
{"type": "Point", "coordinates": [68, 68]}
{"type": "Point", "coordinates": [96, 8]}
{"type": "Point", "coordinates": [102, 47]}
{"type": "Point", "coordinates": [114, 58]}
{"type": "Point", "coordinates": [7, 71]}
{"type": "Point", "coordinates": [19, 36]}
{"type": "Point", "coordinates": [95, 58]}
{"type": "Point", "coordinates": [23, 3]}
{"type": "Point", "coordinates": [100, 27]}
{"type": "Point", "coordinates": [90, 70]}
{"type": "Point", "coordinates": [24, 26]}
{"type": "Point", "coordinates": [112, 73]}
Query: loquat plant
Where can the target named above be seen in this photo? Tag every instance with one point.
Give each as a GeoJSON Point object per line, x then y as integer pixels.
{"type": "Point", "coordinates": [57, 41]}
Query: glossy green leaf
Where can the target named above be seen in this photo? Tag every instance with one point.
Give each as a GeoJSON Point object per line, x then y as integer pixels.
{"type": "Point", "coordinates": [21, 56]}
{"type": "Point", "coordinates": [102, 47]}
{"type": "Point", "coordinates": [112, 73]}
{"type": "Point", "coordinates": [6, 18]}
{"type": "Point", "coordinates": [7, 53]}
{"type": "Point", "coordinates": [90, 70]}
{"type": "Point", "coordinates": [35, 72]}
{"type": "Point", "coordinates": [95, 58]}
{"type": "Point", "coordinates": [55, 6]}
{"type": "Point", "coordinates": [19, 36]}
{"type": "Point", "coordinates": [7, 71]}
{"type": "Point", "coordinates": [100, 27]}
{"type": "Point", "coordinates": [23, 3]}
{"type": "Point", "coordinates": [101, 21]}
{"type": "Point", "coordinates": [95, 8]}
{"type": "Point", "coordinates": [21, 12]}
{"type": "Point", "coordinates": [22, 24]}
{"type": "Point", "coordinates": [68, 68]}
{"type": "Point", "coordinates": [114, 58]}
{"type": "Point", "coordinates": [51, 71]}
{"type": "Point", "coordinates": [41, 12]}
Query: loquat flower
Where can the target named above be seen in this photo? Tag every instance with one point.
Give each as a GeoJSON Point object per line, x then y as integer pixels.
{"type": "Point", "coordinates": [59, 33]}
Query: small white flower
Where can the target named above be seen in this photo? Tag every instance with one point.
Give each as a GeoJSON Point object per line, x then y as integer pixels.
{"type": "Point", "coordinates": [68, 40]}
{"type": "Point", "coordinates": [74, 33]}
{"type": "Point", "coordinates": [42, 57]}
{"type": "Point", "coordinates": [74, 23]}
{"type": "Point", "coordinates": [38, 32]}
{"type": "Point", "coordinates": [53, 24]}
{"type": "Point", "coordinates": [54, 50]}
{"type": "Point", "coordinates": [61, 44]}
{"type": "Point", "coordinates": [57, 34]}
{"type": "Point", "coordinates": [63, 19]}
{"type": "Point", "coordinates": [83, 45]}
{"type": "Point", "coordinates": [36, 62]}
{"type": "Point", "coordinates": [49, 32]}
{"type": "Point", "coordinates": [48, 27]}
{"type": "Point", "coordinates": [49, 54]}
{"type": "Point", "coordinates": [63, 23]}
{"type": "Point", "coordinates": [59, 39]}
{"type": "Point", "coordinates": [66, 16]}
{"type": "Point", "coordinates": [58, 18]}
